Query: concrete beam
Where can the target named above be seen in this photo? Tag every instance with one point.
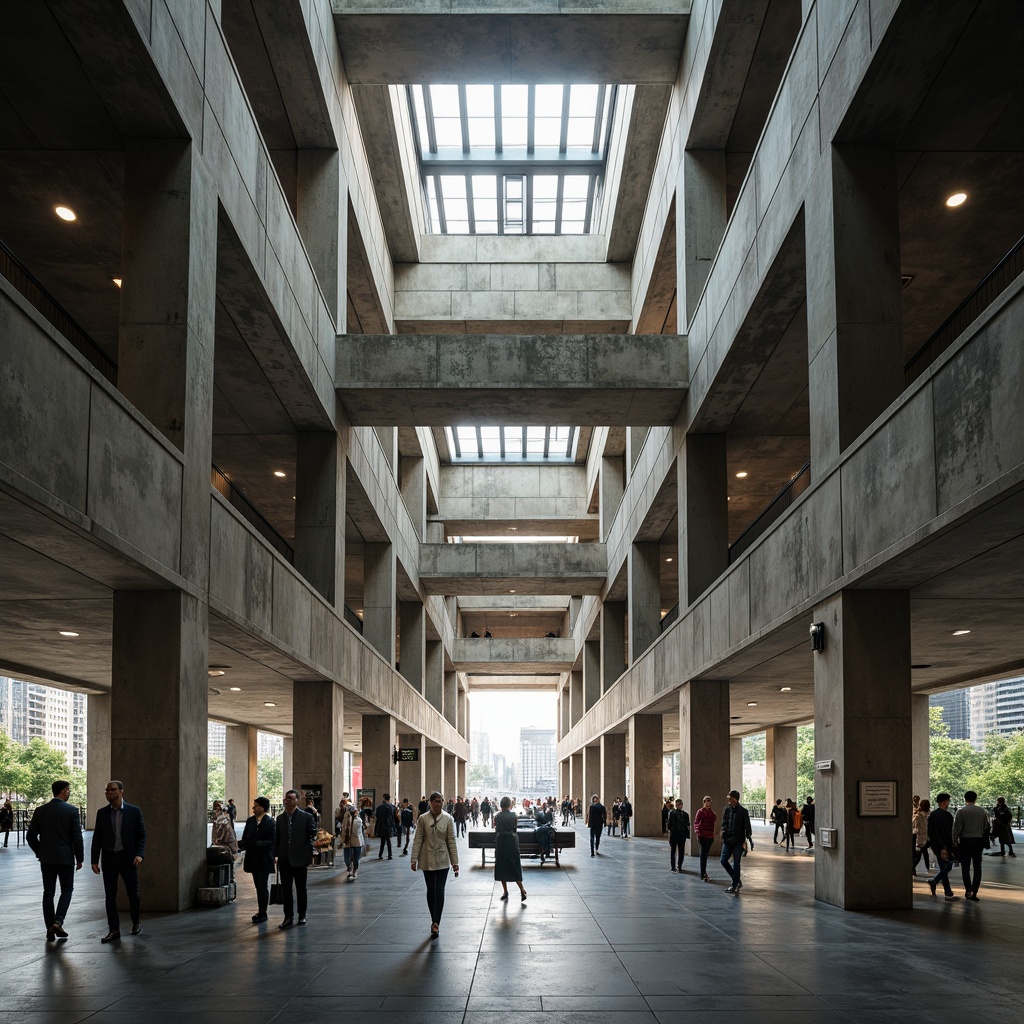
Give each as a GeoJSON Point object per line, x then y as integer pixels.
{"type": "Point", "coordinates": [501, 568]}
{"type": "Point", "coordinates": [389, 42]}
{"type": "Point", "coordinates": [436, 380]}
{"type": "Point", "coordinates": [506, 656]}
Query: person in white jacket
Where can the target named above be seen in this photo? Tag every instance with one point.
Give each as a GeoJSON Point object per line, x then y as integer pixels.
{"type": "Point", "coordinates": [352, 839]}
{"type": "Point", "coordinates": [434, 849]}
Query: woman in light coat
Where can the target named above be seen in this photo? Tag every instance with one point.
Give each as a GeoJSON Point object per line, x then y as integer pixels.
{"type": "Point", "coordinates": [434, 849]}
{"type": "Point", "coordinates": [352, 840]}
{"type": "Point", "coordinates": [223, 829]}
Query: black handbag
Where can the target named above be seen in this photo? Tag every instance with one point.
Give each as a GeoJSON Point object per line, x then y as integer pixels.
{"type": "Point", "coordinates": [276, 890]}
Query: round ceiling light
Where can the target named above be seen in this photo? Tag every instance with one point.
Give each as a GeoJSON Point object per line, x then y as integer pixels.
{"type": "Point", "coordinates": [956, 199]}
{"type": "Point", "coordinates": [65, 213]}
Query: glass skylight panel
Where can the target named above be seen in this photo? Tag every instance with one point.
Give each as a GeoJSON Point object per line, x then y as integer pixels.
{"type": "Point", "coordinates": [511, 444]}
{"type": "Point", "coordinates": [534, 155]}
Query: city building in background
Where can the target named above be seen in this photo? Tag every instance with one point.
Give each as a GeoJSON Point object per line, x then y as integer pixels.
{"type": "Point", "coordinates": [956, 712]}
{"type": "Point", "coordinates": [996, 708]}
{"type": "Point", "coordinates": [30, 710]}
{"type": "Point", "coordinates": [538, 759]}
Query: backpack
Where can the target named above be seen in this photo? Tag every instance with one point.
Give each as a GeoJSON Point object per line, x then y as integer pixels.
{"type": "Point", "coordinates": [798, 821]}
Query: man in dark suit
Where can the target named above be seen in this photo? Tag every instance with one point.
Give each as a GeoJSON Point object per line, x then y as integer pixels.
{"type": "Point", "coordinates": [384, 819]}
{"type": "Point", "coordinates": [120, 835]}
{"type": "Point", "coordinates": [55, 835]}
{"type": "Point", "coordinates": [258, 841]}
{"type": "Point", "coordinates": [296, 832]}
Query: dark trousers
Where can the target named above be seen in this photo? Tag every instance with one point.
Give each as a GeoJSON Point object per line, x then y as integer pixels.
{"type": "Point", "coordinates": [51, 873]}
{"type": "Point", "coordinates": [809, 831]}
{"type": "Point", "coordinates": [919, 852]}
{"type": "Point", "coordinates": [705, 849]}
{"type": "Point", "coordinates": [625, 826]}
{"type": "Point", "coordinates": [297, 876]}
{"type": "Point", "coordinates": [7, 835]}
{"type": "Point", "coordinates": [260, 878]}
{"type": "Point", "coordinates": [436, 881]}
{"type": "Point", "coordinates": [595, 839]}
{"type": "Point", "coordinates": [732, 851]}
{"type": "Point", "coordinates": [778, 825]}
{"type": "Point", "coordinates": [676, 842]}
{"type": "Point", "coordinates": [115, 866]}
{"type": "Point", "coordinates": [406, 831]}
{"type": "Point", "coordinates": [942, 875]}
{"type": "Point", "coordinates": [970, 857]}
{"type": "Point", "coordinates": [384, 839]}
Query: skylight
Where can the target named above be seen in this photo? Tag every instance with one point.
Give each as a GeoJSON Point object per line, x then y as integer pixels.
{"type": "Point", "coordinates": [512, 444]}
{"type": "Point", "coordinates": [512, 159]}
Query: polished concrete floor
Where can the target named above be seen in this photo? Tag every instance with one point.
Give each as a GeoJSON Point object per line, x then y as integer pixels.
{"type": "Point", "coordinates": [611, 939]}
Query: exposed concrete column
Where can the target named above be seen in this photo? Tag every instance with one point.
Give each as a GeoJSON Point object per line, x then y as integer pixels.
{"type": "Point", "coordinates": [613, 765]}
{"type": "Point", "coordinates": [854, 296]}
{"type": "Point", "coordinates": [318, 734]}
{"type": "Point", "coordinates": [378, 746]}
{"type": "Point", "coordinates": [379, 570]}
{"type": "Point", "coordinates": [240, 750]}
{"type": "Point", "coordinates": [704, 744]}
{"type": "Point", "coordinates": [635, 438]}
{"type": "Point", "coordinates": [575, 697]}
{"type": "Point", "coordinates": [158, 734]}
{"type": "Point", "coordinates": [700, 225]}
{"type": "Point", "coordinates": [592, 776]}
{"type": "Point", "coordinates": [97, 757]}
{"type": "Point", "coordinates": [577, 782]}
{"type": "Point", "coordinates": [736, 764]}
{"type": "Point", "coordinates": [451, 776]}
{"type": "Point", "coordinates": [412, 775]}
{"type": "Point", "coordinates": [320, 513]}
{"type": "Point", "coordinates": [413, 486]}
{"type": "Point", "coordinates": [451, 698]}
{"type": "Point", "coordinates": [413, 643]}
{"type": "Point", "coordinates": [702, 475]}
{"type": "Point", "coordinates": [646, 757]}
{"type": "Point", "coordinates": [287, 760]}
{"type": "Point", "coordinates": [322, 217]}
{"type": "Point", "coordinates": [466, 716]}
{"type": "Point", "coordinates": [460, 776]}
{"type": "Point", "coordinates": [920, 744]}
{"type": "Point", "coordinates": [613, 486]}
{"type": "Point", "coordinates": [433, 687]}
{"type": "Point", "coordinates": [564, 779]}
{"type": "Point", "coordinates": [591, 673]}
{"type": "Point", "coordinates": [862, 722]}
{"type": "Point", "coordinates": [434, 778]}
{"type": "Point", "coordinates": [780, 767]}
{"type": "Point", "coordinates": [613, 643]}
{"type": "Point", "coordinates": [644, 567]}
{"type": "Point", "coordinates": [460, 725]}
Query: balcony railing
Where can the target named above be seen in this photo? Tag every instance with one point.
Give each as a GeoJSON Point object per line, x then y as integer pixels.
{"type": "Point", "coordinates": [250, 513]}
{"type": "Point", "coordinates": [771, 512]}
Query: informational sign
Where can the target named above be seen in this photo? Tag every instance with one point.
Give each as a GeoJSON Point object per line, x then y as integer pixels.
{"type": "Point", "coordinates": [876, 799]}
{"type": "Point", "coordinates": [407, 754]}
{"type": "Point", "coordinates": [828, 838]}
{"type": "Point", "coordinates": [824, 766]}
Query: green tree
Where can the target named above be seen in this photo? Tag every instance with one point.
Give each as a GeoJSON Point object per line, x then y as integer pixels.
{"type": "Point", "coordinates": [42, 765]}
{"type": "Point", "coordinates": [216, 781]}
{"type": "Point", "coordinates": [13, 773]}
{"type": "Point", "coordinates": [804, 763]}
{"type": "Point", "coordinates": [269, 780]}
{"type": "Point", "coordinates": [754, 748]}
{"type": "Point", "coordinates": [955, 766]}
{"type": "Point", "coordinates": [1003, 774]}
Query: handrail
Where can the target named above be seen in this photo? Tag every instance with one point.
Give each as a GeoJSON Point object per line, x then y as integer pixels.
{"type": "Point", "coordinates": [669, 617]}
{"type": "Point", "coordinates": [353, 620]}
{"type": "Point", "coordinates": [800, 482]}
{"type": "Point", "coordinates": [25, 282]}
{"type": "Point", "coordinates": [241, 503]}
{"type": "Point", "coordinates": [997, 280]}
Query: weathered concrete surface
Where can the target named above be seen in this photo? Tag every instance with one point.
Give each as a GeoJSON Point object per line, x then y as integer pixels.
{"type": "Point", "coordinates": [522, 655]}
{"type": "Point", "coordinates": [436, 380]}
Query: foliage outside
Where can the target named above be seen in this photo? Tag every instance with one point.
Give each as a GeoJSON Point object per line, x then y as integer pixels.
{"type": "Point", "coordinates": [269, 782]}
{"type": "Point", "coordinates": [28, 770]}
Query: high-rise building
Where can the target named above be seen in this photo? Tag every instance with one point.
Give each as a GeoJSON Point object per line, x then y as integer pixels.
{"type": "Point", "coordinates": [216, 740]}
{"type": "Point", "coordinates": [538, 759]}
{"type": "Point", "coordinates": [996, 708]}
{"type": "Point", "coordinates": [269, 744]}
{"type": "Point", "coordinates": [480, 748]}
{"type": "Point", "coordinates": [30, 710]}
{"type": "Point", "coordinates": [956, 712]}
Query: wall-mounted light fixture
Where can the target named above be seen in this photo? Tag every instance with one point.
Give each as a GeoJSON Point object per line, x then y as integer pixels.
{"type": "Point", "coordinates": [817, 636]}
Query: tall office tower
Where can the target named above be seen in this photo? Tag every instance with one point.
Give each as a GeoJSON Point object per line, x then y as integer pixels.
{"type": "Point", "coordinates": [997, 708]}
{"type": "Point", "coordinates": [480, 748]}
{"type": "Point", "coordinates": [956, 712]}
{"type": "Point", "coordinates": [538, 758]}
{"type": "Point", "coordinates": [30, 710]}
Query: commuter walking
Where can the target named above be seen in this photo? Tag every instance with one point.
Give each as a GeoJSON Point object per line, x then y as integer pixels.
{"type": "Point", "coordinates": [405, 825]}
{"type": "Point", "coordinates": [55, 836]}
{"type": "Point", "coordinates": [704, 828]}
{"type": "Point", "coordinates": [625, 816]}
{"type": "Point", "coordinates": [434, 849]}
{"type": "Point", "coordinates": [459, 816]}
{"type": "Point", "coordinates": [794, 822]}
{"type": "Point", "coordinates": [1002, 826]}
{"type": "Point", "coordinates": [507, 865]}
{"type": "Point", "coordinates": [485, 811]}
{"type": "Point", "coordinates": [352, 840]}
{"type": "Point", "coordinates": [384, 818]}
{"type": "Point", "coordinates": [807, 813]}
{"type": "Point", "coordinates": [970, 827]}
{"type": "Point", "coordinates": [678, 828]}
{"type": "Point", "coordinates": [596, 818]}
{"type": "Point", "coordinates": [779, 819]}
{"type": "Point", "coordinates": [940, 838]}
{"type": "Point", "coordinates": [735, 833]}
{"type": "Point", "coordinates": [6, 820]}
{"type": "Point", "coordinates": [118, 845]}
{"type": "Point", "coordinates": [921, 815]}
{"type": "Point", "coordinates": [296, 833]}
{"type": "Point", "coordinates": [258, 840]}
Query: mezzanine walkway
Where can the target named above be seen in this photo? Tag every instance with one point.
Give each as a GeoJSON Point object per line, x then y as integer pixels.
{"type": "Point", "coordinates": [615, 939]}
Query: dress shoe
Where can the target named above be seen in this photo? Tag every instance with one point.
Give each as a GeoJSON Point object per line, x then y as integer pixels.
{"type": "Point", "coordinates": [286, 923]}
{"type": "Point", "coordinates": [258, 918]}
{"type": "Point", "coordinates": [110, 937]}
{"type": "Point", "coordinates": [50, 935]}
{"type": "Point", "coordinates": [136, 927]}
{"type": "Point", "coordinates": [932, 885]}
{"type": "Point", "coordinates": [58, 930]}
{"type": "Point", "coordinates": [301, 921]}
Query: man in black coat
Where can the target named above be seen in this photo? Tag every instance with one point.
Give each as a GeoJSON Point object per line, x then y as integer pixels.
{"type": "Point", "coordinates": [55, 835]}
{"type": "Point", "coordinates": [384, 817]}
{"type": "Point", "coordinates": [296, 833]}
{"type": "Point", "coordinates": [120, 836]}
{"type": "Point", "coordinates": [258, 841]}
{"type": "Point", "coordinates": [678, 832]}
{"type": "Point", "coordinates": [940, 837]}
{"type": "Point", "coordinates": [735, 833]}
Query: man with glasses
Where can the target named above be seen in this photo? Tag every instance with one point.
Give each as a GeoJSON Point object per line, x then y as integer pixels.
{"type": "Point", "coordinates": [296, 833]}
{"type": "Point", "coordinates": [55, 835]}
{"type": "Point", "coordinates": [119, 844]}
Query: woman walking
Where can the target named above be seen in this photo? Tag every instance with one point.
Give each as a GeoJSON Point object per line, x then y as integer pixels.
{"type": "Point", "coordinates": [1002, 826]}
{"type": "Point", "coordinates": [352, 840]}
{"type": "Point", "coordinates": [434, 849]}
{"type": "Point", "coordinates": [507, 865]}
{"type": "Point", "coordinates": [258, 840]}
{"type": "Point", "coordinates": [704, 828]}
{"type": "Point", "coordinates": [923, 809]}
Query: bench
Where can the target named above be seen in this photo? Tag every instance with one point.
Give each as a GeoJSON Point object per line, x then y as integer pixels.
{"type": "Point", "coordinates": [483, 841]}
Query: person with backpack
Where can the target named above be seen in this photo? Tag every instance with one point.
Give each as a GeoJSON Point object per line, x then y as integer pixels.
{"type": "Point", "coordinates": [678, 826]}
{"type": "Point", "coordinates": [794, 822]}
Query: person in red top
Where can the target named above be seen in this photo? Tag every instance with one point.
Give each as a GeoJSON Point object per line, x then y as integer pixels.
{"type": "Point", "coordinates": [704, 828]}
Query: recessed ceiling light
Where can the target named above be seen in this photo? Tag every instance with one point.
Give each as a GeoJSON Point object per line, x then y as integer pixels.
{"type": "Point", "coordinates": [235, 689]}
{"type": "Point", "coordinates": [751, 703]}
{"type": "Point", "coordinates": [513, 529]}
{"type": "Point", "coordinates": [279, 473]}
{"type": "Point", "coordinates": [67, 632]}
{"type": "Point", "coordinates": [785, 689]}
{"type": "Point", "coordinates": [511, 591]}
{"type": "Point", "coordinates": [513, 615]}
{"type": "Point", "coordinates": [116, 281]}
{"type": "Point", "coordinates": [213, 672]}
{"type": "Point", "coordinates": [269, 704]}
{"type": "Point", "coordinates": [741, 475]}
{"type": "Point", "coordinates": [65, 213]}
{"type": "Point", "coordinates": [957, 199]}
{"type": "Point", "coordinates": [960, 632]}
{"type": "Point", "coordinates": [668, 559]}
